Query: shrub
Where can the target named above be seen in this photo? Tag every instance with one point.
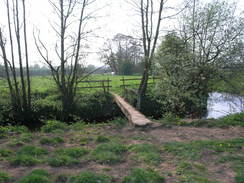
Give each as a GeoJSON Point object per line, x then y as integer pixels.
{"type": "Point", "coordinates": [101, 105]}
{"type": "Point", "coordinates": [36, 176]}
{"type": "Point", "coordinates": [90, 177]}
{"type": "Point", "coordinates": [140, 176]}
{"type": "Point", "coordinates": [109, 153]}
{"type": "Point", "coordinates": [4, 177]}
{"type": "Point", "coordinates": [74, 152]}
{"type": "Point", "coordinates": [53, 125]}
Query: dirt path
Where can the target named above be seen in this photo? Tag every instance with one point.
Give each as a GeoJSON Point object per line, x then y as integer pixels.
{"type": "Point", "coordinates": [186, 134]}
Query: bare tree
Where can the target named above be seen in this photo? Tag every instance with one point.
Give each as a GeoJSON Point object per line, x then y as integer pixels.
{"type": "Point", "coordinates": [150, 26]}
{"type": "Point", "coordinates": [66, 73]}
{"type": "Point", "coordinates": [20, 93]}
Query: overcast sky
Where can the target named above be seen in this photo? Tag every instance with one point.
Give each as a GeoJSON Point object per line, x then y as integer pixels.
{"type": "Point", "coordinates": [114, 16]}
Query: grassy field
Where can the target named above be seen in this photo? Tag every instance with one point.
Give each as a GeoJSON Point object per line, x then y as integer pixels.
{"type": "Point", "coordinates": [116, 153]}
{"type": "Point", "coordinates": [46, 84]}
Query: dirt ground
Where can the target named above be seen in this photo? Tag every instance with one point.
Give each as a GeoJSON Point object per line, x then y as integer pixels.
{"type": "Point", "coordinates": [129, 136]}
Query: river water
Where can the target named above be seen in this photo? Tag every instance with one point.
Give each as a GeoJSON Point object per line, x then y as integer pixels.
{"type": "Point", "coordinates": [222, 104]}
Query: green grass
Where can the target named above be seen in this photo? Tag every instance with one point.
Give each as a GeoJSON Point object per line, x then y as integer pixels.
{"type": "Point", "coordinates": [90, 177]}
{"type": "Point", "coordinates": [5, 152]}
{"type": "Point", "coordinates": [143, 176]}
{"type": "Point", "coordinates": [36, 176]}
{"type": "Point", "coordinates": [4, 177]}
{"type": "Point", "coordinates": [102, 139]}
{"type": "Point", "coordinates": [67, 157]}
{"type": "Point", "coordinates": [52, 126]}
{"type": "Point", "coordinates": [28, 156]}
{"type": "Point", "coordinates": [51, 140]}
{"type": "Point", "coordinates": [191, 172]}
{"type": "Point", "coordinates": [194, 150]}
{"type": "Point", "coordinates": [109, 153]}
{"type": "Point", "coordinates": [147, 153]}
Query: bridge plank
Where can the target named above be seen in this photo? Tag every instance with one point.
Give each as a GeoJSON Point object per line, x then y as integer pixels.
{"type": "Point", "coordinates": [134, 116]}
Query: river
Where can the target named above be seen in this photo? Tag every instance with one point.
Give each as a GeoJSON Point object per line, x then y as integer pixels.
{"type": "Point", "coordinates": [222, 104]}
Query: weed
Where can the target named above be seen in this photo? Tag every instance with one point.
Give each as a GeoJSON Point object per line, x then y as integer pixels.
{"type": "Point", "coordinates": [74, 152]}
{"type": "Point", "coordinates": [62, 178]}
{"type": "Point", "coordinates": [109, 153]}
{"type": "Point", "coordinates": [51, 141]}
{"type": "Point", "coordinates": [5, 152]}
{"type": "Point", "coordinates": [194, 149]}
{"type": "Point", "coordinates": [78, 126]}
{"type": "Point", "coordinates": [143, 176]}
{"type": "Point", "coordinates": [36, 176]}
{"type": "Point", "coordinates": [4, 177]}
{"type": "Point", "coordinates": [62, 160]}
{"type": "Point", "coordinates": [102, 139]}
{"type": "Point", "coordinates": [24, 160]}
{"type": "Point", "coordinates": [189, 172]}
{"type": "Point", "coordinates": [90, 177]}
{"type": "Point", "coordinates": [53, 125]}
{"type": "Point", "coordinates": [32, 151]}
{"type": "Point", "coordinates": [148, 153]}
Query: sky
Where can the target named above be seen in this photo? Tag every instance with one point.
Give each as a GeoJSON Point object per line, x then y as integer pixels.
{"type": "Point", "coordinates": [112, 17]}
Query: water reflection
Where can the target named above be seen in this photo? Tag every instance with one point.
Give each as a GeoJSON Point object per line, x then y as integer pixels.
{"type": "Point", "coordinates": [222, 104]}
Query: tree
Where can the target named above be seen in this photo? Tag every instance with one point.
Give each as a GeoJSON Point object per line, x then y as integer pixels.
{"type": "Point", "coordinates": [208, 42]}
{"type": "Point", "coordinates": [214, 33]}
{"type": "Point", "coordinates": [66, 73]}
{"type": "Point", "coordinates": [20, 93]}
{"type": "Point", "coordinates": [123, 54]}
{"type": "Point", "coordinates": [150, 27]}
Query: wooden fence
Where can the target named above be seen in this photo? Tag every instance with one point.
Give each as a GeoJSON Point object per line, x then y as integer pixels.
{"type": "Point", "coordinates": [104, 84]}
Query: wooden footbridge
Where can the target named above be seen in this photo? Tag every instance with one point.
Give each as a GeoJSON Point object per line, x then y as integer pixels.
{"type": "Point", "coordinates": [134, 116]}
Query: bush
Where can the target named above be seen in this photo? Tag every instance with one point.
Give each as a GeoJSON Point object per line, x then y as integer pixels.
{"type": "Point", "coordinates": [48, 108]}
{"type": "Point", "coordinates": [5, 152]}
{"type": "Point", "coordinates": [36, 176]}
{"type": "Point", "coordinates": [53, 125]}
{"type": "Point", "coordinates": [24, 160]}
{"type": "Point", "coordinates": [101, 105]}
{"type": "Point", "coordinates": [90, 177]}
{"type": "Point", "coordinates": [140, 176]}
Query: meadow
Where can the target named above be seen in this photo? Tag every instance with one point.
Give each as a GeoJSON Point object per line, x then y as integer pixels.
{"type": "Point", "coordinates": [45, 84]}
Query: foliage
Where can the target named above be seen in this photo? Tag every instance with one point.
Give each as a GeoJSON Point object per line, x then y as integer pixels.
{"type": "Point", "coordinates": [90, 177]}
{"type": "Point", "coordinates": [143, 176]}
{"type": "Point", "coordinates": [100, 105]}
{"type": "Point", "coordinates": [109, 153]}
{"type": "Point", "coordinates": [36, 176]}
{"type": "Point", "coordinates": [183, 88]}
